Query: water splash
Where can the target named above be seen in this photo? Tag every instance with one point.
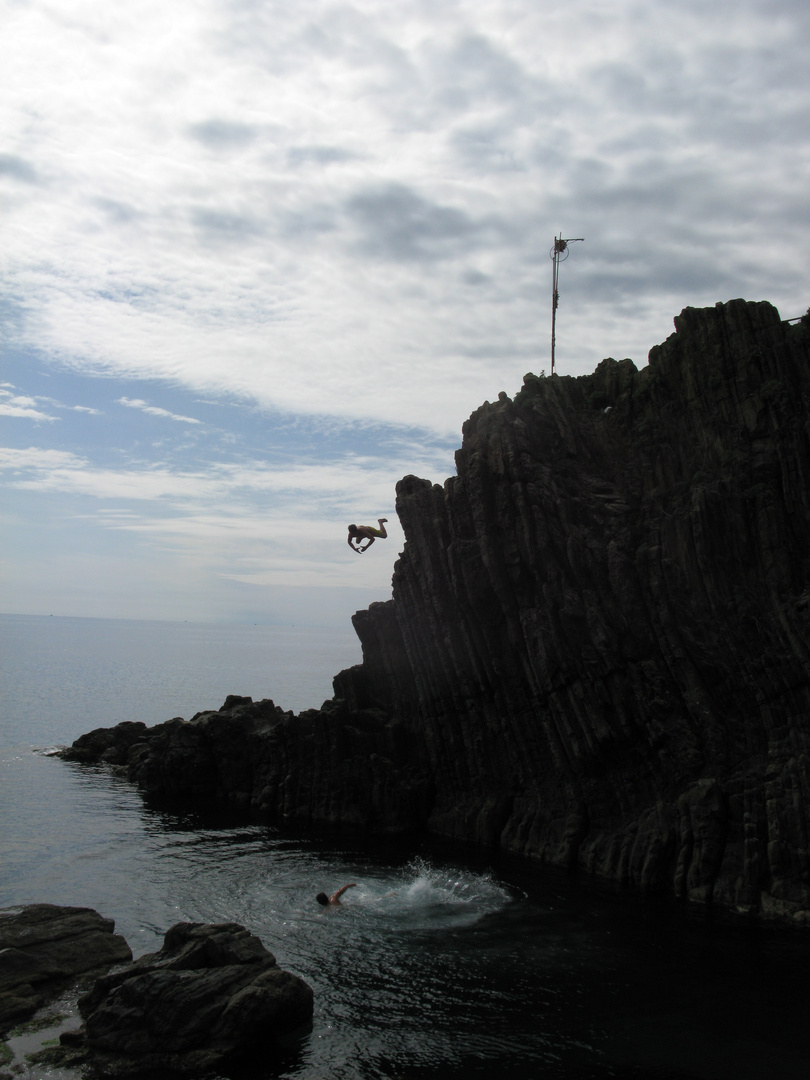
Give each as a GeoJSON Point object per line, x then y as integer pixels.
{"type": "Point", "coordinates": [423, 896]}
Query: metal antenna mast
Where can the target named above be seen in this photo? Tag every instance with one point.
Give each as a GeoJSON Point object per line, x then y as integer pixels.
{"type": "Point", "coordinates": [559, 253]}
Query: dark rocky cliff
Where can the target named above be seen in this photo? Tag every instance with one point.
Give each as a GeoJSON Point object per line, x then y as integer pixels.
{"type": "Point", "coordinates": [597, 651]}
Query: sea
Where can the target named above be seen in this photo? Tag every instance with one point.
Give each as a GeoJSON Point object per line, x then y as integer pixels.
{"type": "Point", "coordinates": [444, 963]}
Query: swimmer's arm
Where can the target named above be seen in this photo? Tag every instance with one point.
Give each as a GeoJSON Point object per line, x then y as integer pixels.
{"type": "Point", "coordinates": [340, 892]}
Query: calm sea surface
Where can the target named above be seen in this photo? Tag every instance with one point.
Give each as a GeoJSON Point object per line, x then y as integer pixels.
{"type": "Point", "coordinates": [442, 964]}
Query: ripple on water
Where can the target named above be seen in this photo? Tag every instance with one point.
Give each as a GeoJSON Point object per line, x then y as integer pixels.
{"type": "Point", "coordinates": [430, 970]}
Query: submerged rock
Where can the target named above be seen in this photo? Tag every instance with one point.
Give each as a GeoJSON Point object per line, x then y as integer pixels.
{"type": "Point", "coordinates": [597, 650]}
{"type": "Point", "coordinates": [211, 995]}
{"type": "Point", "coordinates": [43, 947]}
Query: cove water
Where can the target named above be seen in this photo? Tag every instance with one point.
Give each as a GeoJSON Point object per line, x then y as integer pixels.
{"type": "Point", "coordinates": [442, 964]}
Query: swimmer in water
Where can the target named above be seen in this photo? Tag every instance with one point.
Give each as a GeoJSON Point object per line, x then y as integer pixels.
{"type": "Point", "coordinates": [334, 899]}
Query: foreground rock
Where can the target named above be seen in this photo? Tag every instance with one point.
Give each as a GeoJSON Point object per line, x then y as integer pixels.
{"type": "Point", "coordinates": [597, 651]}
{"type": "Point", "coordinates": [211, 996]}
{"type": "Point", "coordinates": [43, 947]}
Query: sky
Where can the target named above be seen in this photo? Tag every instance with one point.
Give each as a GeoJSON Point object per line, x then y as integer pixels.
{"type": "Point", "coordinates": [261, 259]}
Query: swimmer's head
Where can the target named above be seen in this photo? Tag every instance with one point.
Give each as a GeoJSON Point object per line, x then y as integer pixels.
{"type": "Point", "coordinates": [323, 899]}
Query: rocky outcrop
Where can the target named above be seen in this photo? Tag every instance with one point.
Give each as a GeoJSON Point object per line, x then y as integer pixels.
{"type": "Point", "coordinates": [597, 651]}
{"type": "Point", "coordinates": [210, 997]}
{"type": "Point", "coordinates": [43, 947]}
{"type": "Point", "coordinates": [365, 765]}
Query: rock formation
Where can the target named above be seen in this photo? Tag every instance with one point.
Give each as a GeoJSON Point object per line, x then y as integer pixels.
{"type": "Point", "coordinates": [597, 651]}
{"type": "Point", "coordinates": [43, 947]}
{"type": "Point", "coordinates": [211, 996]}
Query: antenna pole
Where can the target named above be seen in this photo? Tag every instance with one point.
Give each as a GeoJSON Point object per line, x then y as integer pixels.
{"type": "Point", "coordinates": [560, 246]}
{"type": "Point", "coordinates": [555, 296]}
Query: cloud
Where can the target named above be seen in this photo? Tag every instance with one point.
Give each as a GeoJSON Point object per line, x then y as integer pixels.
{"type": "Point", "coordinates": [314, 489]}
{"type": "Point", "coordinates": [27, 406]}
{"type": "Point", "coordinates": [20, 406]}
{"type": "Point", "coordinates": [247, 522]}
{"type": "Point", "coordinates": [117, 212]}
{"type": "Point", "coordinates": [314, 191]}
{"type": "Point", "coordinates": [394, 222]}
{"type": "Point", "coordinates": [336, 219]}
{"type": "Point", "coordinates": [154, 410]}
{"type": "Point", "coordinates": [219, 225]}
{"type": "Point", "coordinates": [223, 135]}
{"type": "Point", "coordinates": [320, 156]}
{"type": "Point", "coordinates": [17, 168]}
{"type": "Point", "coordinates": [36, 459]}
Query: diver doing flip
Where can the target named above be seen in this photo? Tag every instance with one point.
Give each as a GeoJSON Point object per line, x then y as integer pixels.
{"type": "Point", "coordinates": [357, 533]}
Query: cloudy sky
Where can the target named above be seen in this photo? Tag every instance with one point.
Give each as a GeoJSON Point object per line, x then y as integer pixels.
{"type": "Point", "coordinates": [260, 259]}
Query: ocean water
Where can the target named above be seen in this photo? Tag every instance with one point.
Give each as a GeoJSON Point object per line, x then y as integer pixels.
{"type": "Point", "coordinates": [443, 962]}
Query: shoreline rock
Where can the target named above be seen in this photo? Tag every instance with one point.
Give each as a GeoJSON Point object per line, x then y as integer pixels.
{"type": "Point", "coordinates": [211, 996]}
{"type": "Point", "coordinates": [43, 947]}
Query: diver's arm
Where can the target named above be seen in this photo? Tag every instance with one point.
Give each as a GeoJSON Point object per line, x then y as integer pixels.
{"type": "Point", "coordinates": [336, 896]}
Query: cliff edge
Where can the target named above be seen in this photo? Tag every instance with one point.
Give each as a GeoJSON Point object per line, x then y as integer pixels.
{"type": "Point", "coordinates": [597, 651]}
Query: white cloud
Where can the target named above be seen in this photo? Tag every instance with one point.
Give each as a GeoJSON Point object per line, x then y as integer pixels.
{"type": "Point", "coordinates": [293, 203]}
{"type": "Point", "coordinates": [27, 407]}
{"type": "Point", "coordinates": [255, 526]}
{"type": "Point", "coordinates": [23, 412]}
{"type": "Point", "coordinates": [20, 406]}
{"type": "Point", "coordinates": [34, 459]}
{"type": "Point", "coordinates": [155, 410]}
{"type": "Point", "coordinates": [340, 484]}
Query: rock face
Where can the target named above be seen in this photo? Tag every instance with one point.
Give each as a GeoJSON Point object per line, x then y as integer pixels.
{"type": "Point", "coordinates": [42, 946]}
{"type": "Point", "coordinates": [597, 651]}
{"type": "Point", "coordinates": [211, 996]}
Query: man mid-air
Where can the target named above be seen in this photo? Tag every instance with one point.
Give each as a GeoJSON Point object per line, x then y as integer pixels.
{"type": "Point", "coordinates": [366, 532]}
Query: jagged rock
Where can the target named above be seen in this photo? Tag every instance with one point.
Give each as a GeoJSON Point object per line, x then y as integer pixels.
{"type": "Point", "coordinates": [42, 946]}
{"type": "Point", "coordinates": [110, 745]}
{"type": "Point", "coordinates": [242, 753]}
{"type": "Point", "coordinates": [597, 651]}
{"type": "Point", "coordinates": [211, 995]}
